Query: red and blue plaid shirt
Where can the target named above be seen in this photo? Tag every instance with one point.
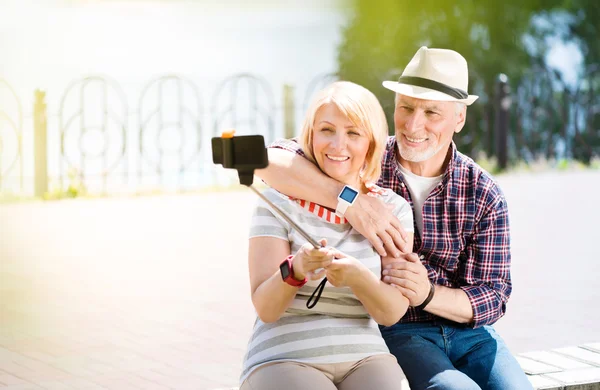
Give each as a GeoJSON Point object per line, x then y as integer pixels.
{"type": "Point", "coordinates": [465, 241]}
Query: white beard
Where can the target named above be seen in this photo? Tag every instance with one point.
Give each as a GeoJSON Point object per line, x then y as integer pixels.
{"type": "Point", "coordinates": [412, 155]}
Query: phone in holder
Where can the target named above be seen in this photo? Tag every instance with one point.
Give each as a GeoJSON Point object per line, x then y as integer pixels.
{"type": "Point", "coordinates": [243, 153]}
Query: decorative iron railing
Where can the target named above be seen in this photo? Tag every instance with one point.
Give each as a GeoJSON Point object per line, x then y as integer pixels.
{"type": "Point", "coordinates": [164, 143]}
{"type": "Point", "coordinates": [11, 130]}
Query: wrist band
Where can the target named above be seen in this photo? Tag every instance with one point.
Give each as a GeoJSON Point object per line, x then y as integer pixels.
{"type": "Point", "coordinates": [429, 297]}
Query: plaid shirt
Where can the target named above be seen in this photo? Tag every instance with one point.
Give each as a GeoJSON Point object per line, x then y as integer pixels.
{"type": "Point", "coordinates": [465, 241]}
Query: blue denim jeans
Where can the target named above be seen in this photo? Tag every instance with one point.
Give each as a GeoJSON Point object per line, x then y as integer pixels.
{"type": "Point", "coordinates": [445, 355]}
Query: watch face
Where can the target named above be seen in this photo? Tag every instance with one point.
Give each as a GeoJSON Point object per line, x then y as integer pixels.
{"type": "Point", "coordinates": [285, 270]}
{"type": "Point", "coordinates": [348, 194]}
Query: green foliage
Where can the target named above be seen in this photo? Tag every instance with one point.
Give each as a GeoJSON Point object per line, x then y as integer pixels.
{"type": "Point", "coordinates": [494, 37]}
{"type": "Point", "coordinates": [76, 188]}
{"type": "Point", "coordinates": [562, 164]}
{"type": "Point", "coordinates": [583, 27]}
{"type": "Point", "coordinates": [490, 164]}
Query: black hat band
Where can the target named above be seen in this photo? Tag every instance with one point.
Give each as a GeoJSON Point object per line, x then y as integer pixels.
{"type": "Point", "coordinates": [436, 86]}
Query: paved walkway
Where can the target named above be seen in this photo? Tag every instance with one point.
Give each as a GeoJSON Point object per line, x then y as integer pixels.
{"type": "Point", "coordinates": [152, 293]}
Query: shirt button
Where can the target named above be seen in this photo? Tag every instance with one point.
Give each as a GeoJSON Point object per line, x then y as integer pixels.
{"type": "Point", "coordinates": [422, 257]}
{"type": "Point", "coordinates": [402, 185]}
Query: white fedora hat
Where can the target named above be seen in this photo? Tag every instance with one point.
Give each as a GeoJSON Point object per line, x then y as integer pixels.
{"type": "Point", "coordinates": [435, 74]}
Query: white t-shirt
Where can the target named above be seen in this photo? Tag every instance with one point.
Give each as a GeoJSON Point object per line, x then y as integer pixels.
{"type": "Point", "coordinates": [419, 187]}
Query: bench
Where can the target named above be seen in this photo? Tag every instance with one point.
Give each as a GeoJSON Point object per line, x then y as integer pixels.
{"type": "Point", "coordinates": [570, 368]}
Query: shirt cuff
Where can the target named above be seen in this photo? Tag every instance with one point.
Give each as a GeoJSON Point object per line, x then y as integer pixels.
{"type": "Point", "coordinates": [487, 306]}
{"type": "Point", "coordinates": [291, 145]}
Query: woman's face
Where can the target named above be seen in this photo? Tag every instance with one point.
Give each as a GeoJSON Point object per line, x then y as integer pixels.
{"type": "Point", "coordinates": [340, 148]}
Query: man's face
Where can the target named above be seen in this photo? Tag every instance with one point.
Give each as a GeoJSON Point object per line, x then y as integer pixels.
{"type": "Point", "coordinates": [424, 128]}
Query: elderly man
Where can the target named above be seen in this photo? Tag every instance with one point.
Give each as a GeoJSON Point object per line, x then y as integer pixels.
{"type": "Point", "coordinates": [458, 280]}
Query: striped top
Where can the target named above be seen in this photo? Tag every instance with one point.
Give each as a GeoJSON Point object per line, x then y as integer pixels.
{"type": "Point", "coordinates": [338, 329]}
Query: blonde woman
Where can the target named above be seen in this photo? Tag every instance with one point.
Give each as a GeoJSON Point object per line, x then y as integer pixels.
{"type": "Point", "coordinates": [336, 344]}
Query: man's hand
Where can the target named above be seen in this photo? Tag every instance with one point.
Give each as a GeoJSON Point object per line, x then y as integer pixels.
{"type": "Point", "coordinates": [372, 218]}
{"type": "Point", "coordinates": [408, 275]}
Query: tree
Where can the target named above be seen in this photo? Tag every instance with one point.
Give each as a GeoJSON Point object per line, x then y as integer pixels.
{"type": "Point", "coordinates": [583, 28]}
{"type": "Point", "coordinates": [494, 37]}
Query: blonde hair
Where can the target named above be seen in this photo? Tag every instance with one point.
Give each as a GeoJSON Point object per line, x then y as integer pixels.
{"type": "Point", "coordinates": [363, 109]}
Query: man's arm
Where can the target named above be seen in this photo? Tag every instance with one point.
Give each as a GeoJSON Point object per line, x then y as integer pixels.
{"type": "Point", "coordinates": [290, 173]}
{"type": "Point", "coordinates": [451, 303]}
{"type": "Point", "coordinates": [485, 276]}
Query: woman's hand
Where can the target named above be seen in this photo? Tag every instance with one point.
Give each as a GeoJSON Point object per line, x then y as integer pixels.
{"type": "Point", "coordinates": [344, 271]}
{"type": "Point", "coordinates": [309, 259]}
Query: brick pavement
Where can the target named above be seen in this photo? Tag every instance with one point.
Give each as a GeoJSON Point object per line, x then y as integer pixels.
{"type": "Point", "coordinates": [124, 293]}
{"type": "Point", "coordinates": [152, 293]}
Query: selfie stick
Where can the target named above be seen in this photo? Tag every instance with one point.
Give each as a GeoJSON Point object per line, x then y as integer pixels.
{"type": "Point", "coordinates": [252, 155]}
{"type": "Point", "coordinates": [312, 301]}
{"type": "Point", "coordinates": [288, 220]}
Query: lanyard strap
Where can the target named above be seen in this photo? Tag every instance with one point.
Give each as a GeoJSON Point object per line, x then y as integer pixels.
{"type": "Point", "coordinates": [312, 301]}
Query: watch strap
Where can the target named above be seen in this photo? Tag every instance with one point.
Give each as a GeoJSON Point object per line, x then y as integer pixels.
{"type": "Point", "coordinates": [341, 208]}
{"type": "Point", "coordinates": [290, 278]}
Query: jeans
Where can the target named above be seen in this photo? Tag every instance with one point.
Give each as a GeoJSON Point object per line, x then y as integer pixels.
{"type": "Point", "coordinates": [446, 355]}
